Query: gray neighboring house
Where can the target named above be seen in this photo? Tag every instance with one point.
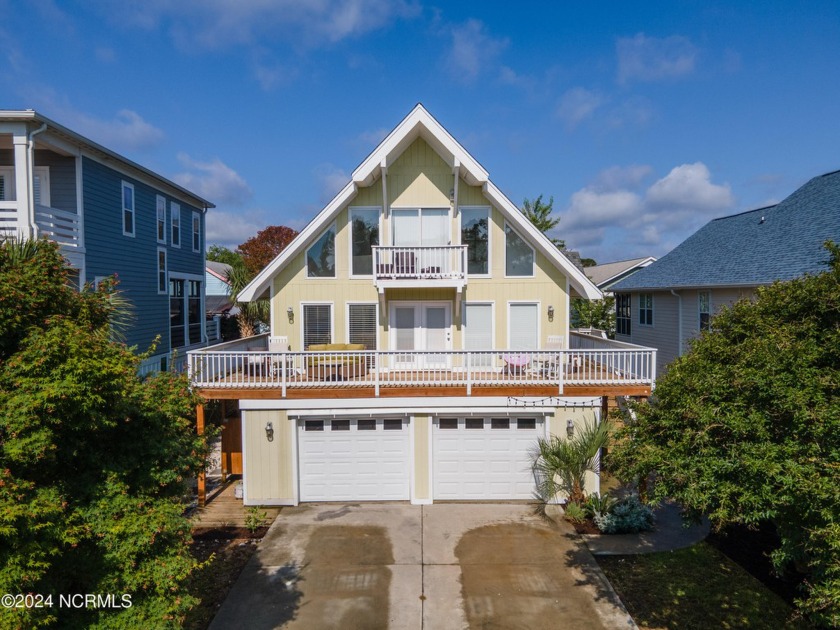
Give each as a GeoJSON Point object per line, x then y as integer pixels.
{"type": "Point", "coordinates": [670, 301]}
{"type": "Point", "coordinates": [218, 300]}
{"type": "Point", "coordinates": [604, 276]}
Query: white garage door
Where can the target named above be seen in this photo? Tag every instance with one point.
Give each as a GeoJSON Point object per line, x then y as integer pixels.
{"type": "Point", "coordinates": [353, 460]}
{"type": "Point", "coordinates": [485, 458]}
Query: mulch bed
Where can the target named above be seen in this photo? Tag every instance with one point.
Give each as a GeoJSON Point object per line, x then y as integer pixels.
{"type": "Point", "coordinates": [227, 533]}
{"type": "Point", "coordinates": [586, 527]}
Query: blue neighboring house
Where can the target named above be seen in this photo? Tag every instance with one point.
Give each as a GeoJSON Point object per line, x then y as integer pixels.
{"type": "Point", "coordinates": [670, 301]}
{"type": "Point", "coordinates": [110, 216]}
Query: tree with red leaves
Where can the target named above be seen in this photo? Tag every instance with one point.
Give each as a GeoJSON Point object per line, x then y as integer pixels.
{"type": "Point", "coordinates": [258, 251]}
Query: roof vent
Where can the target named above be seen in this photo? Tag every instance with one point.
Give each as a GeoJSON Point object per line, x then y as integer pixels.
{"type": "Point", "coordinates": [761, 221]}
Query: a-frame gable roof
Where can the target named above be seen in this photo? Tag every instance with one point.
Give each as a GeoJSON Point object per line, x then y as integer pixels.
{"type": "Point", "coordinates": [420, 123]}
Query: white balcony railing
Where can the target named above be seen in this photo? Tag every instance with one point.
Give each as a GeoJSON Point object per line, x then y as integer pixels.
{"type": "Point", "coordinates": [444, 264]}
{"type": "Point", "coordinates": [232, 367]}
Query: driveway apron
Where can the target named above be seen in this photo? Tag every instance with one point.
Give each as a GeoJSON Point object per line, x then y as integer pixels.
{"type": "Point", "coordinates": [393, 565]}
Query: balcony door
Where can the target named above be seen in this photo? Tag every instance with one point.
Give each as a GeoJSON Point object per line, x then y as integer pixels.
{"type": "Point", "coordinates": [423, 227]}
{"type": "Point", "coordinates": [425, 326]}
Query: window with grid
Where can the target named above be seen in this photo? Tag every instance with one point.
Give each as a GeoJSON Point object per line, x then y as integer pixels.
{"type": "Point", "coordinates": [160, 205]}
{"type": "Point", "coordinates": [196, 231]}
{"type": "Point", "coordinates": [317, 324]}
{"type": "Point", "coordinates": [194, 311]}
{"type": "Point", "coordinates": [704, 299]}
{"type": "Point", "coordinates": [175, 211]}
{"type": "Point", "coordinates": [177, 334]}
{"type": "Point", "coordinates": [622, 313]}
{"type": "Point", "coordinates": [646, 309]}
{"type": "Point", "coordinates": [128, 209]}
{"type": "Point", "coordinates": [362, 325]}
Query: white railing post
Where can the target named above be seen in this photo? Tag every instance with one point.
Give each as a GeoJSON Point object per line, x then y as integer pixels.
{"type": "Point", "coordinates": [376, 371]}
{"type": "Point", "coordinates": [468, 357]}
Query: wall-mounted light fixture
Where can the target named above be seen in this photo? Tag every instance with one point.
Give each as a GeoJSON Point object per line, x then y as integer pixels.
{"type": "Point", "coordinates": [550, 313]}
{"type": "Point", "coordinates": [452, 196]}
{"type": "Point", "coordinates": [290, 313]}
{"type": "Point", "coordinates": [570, 427]}
{"type": "Point", "coordinates": [269, 431]}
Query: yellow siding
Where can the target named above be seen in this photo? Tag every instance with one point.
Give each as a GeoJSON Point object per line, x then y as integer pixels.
{"type": "Point", "coordinates": [269, 474]}
{"type": "Point", "coordinates": [419, 178]}
{"type": "Point", "coordinates": [422, 434]}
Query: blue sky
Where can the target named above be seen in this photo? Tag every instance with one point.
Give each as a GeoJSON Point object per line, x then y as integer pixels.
{"type": "Point", "coordinates": [642, 119]}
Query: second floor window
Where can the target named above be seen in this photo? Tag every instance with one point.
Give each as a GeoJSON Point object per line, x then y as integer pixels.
{"type": "Point", "coordinates": [161, 252]}
{"type": "Point", "coordinates": [320, 257]}
{"type": "Point", "coordinates": [317, 324]}
{"type": "Point", "coordinates": [475, 234]}
{"type": "Point", "coordinates": [646, 309]}
{"type": "Point", "coordinates": [128, 209]}
{"type": "Point", "coordinates": [364, 234]}
{"type": "Point", "coordinates": [622, 313]}
{"type": "Point", "coordinates": [161, 219]}
{"type": "Point", "coordinates": [704, 300]}
{"type": "Point", "coordinates": [175, 209]}
{"type": "Point", "coordinates": [196, 232]}
{"type": "Point", "coordinates": [519, 257]}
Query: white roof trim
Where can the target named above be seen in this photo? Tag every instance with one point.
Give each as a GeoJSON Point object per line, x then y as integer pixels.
{"type": "Point", "coordinates": [420, 123]}
{"type": "Point", "coordinates": [640, 265]}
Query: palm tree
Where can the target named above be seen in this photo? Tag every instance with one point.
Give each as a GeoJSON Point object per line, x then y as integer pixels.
{"type": "Point", "coordinates": [251, 314]}
{"type": "Point", "coordinates": [561, 464]}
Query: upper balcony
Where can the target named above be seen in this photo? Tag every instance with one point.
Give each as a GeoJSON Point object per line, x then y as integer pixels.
{"type": "Point", "coordinates": [60, 226]}
{"type": "Point", "coordinates": [437, 266]}
{"type": "Point", "coordinates": [591, 367]}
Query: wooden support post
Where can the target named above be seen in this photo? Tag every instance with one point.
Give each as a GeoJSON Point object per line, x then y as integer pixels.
{"type": "Point", "coordinates": [223, 410]}
{"type": "Point", "coordinates": [202, 481]}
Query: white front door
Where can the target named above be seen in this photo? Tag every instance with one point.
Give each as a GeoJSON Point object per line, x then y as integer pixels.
{"type": "Point", "coordinates": [426, 327]}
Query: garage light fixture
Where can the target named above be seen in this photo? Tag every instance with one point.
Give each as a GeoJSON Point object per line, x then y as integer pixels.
{"type": "Point", "coordinates": [550, 313]}
{"type": "Point", "coordinates": [290, 313]}
{"type": "Point", "coordinates": [570, 427]}
{"type": "Point", "coordinates": [269, 431]}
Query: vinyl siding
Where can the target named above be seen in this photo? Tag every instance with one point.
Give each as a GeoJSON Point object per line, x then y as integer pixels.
{"type": "Point", "coordinates": [269, 470]}
{"type": "Point", "coordinates": [580, 416]}
{"type": "Point", "coordinates": [133, 259]}
{"type": "Point", "coordinates": [62, 176]}
{"type": "Point", "coordinates": [691, 304]}
{"type": "Point", "coordinates": [215, 286]}
{"type": "Point", "coordinates": [292, 287]}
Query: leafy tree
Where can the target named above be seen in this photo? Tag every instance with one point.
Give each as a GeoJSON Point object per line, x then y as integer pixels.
{"type": "Point", "coordinates": [745, 427]}
{"type": "Point", "coordinates": [92, 459]}
{"type": "Point", "coordinates": [258, 251]}
{"type": "Point", "coordinates": [595, 314]}
{"type": "Point", "coordinates": [588, 262]}
{"type": "Point", "coordinates": [218, 253]}
{"type": "Point", "coordinates": [539, 213]}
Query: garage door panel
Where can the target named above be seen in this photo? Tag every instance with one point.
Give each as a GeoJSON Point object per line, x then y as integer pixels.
{"type": "Point", "coordinates": [485, 462]}
{"type": "Point", "coordinates": [349, 464]}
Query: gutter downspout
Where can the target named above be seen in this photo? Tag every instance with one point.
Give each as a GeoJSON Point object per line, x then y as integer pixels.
{"type": "Point", "coordinates": [30, 166]}
{"type": "Point", "coordinates": [679, 323]}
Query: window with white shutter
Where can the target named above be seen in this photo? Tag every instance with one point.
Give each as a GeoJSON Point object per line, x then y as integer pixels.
{"type": "Point", "coordinates": [317, 324]}
{"type": "Point", "coordinates": [41, 185]}
{"type": "Point", "coordinates": [362, 325]}
{"type": "Point", "coordinates": [523, 327]}
{"type": "Point", "coordinates": [478, 331]}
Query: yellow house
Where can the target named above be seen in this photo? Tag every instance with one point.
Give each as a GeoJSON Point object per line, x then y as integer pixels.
{"type": "Point", "coordinates": [419, 342]}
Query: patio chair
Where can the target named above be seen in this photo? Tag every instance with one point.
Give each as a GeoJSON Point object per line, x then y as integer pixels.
{"type": "Point", "coordinates": [404, 264]}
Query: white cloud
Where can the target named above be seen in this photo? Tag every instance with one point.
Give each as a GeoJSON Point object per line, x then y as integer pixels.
{"type": "Point", "coordinates": [616, 217]}
{"type": "Point", "coordinates": [214, 180]}
{"type": "Point", "coordinates": [331, 179]}
{"type": "Point", "coordinates": [373, 137]}
{"type": "Point", "coordinates": [214, 24]}
{"type": "Point", "coordinates": [642, 58]}
{"type": "Point", "coordinates": [231, 229]}
{"type": "Point", "coordinates": [576, 105]}
{"type": "Point", "coordinates": [472, 50]}
{"type": "Point", "coordinates": [127, 131]}
{"type": "Point", "coordinates": [271, 74]}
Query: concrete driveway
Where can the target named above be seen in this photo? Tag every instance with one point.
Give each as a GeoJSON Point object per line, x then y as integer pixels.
{"type": "Point", "coordinates": [393, 565]}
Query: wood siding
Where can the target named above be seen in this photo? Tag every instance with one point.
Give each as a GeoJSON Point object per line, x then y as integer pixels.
{"type": "Point", "coordinates": [269, 465]}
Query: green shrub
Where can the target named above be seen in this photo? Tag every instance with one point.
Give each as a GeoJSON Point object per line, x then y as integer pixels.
{"type": "Point", "coordinates": [596, 504]}
{"type": "Point", "coordinates": [627, 516]}
{"type": "Point", "coordinates": [254, 518]}
{"type": "Point", "coordinates": [574, 512]}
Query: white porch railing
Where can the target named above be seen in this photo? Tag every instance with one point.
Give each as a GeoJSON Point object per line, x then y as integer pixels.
{"type": "Point", "coordinates": [443, 262]}
{"type": "Point", "coordinates": [10, 219]}
{"type": "Point", "coordinates": [627, 362]}
{"type": "Point", "coordinates": [250, 368]}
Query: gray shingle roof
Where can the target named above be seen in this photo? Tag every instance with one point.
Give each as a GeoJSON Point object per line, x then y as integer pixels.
{"type": "Point", "coordinates": [600, 274]}
{"type": "Point", "coordinates": [779, 242]}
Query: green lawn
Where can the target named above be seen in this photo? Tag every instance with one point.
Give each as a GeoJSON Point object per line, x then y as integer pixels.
{"type": "Point", "coordinates": [698, 587]}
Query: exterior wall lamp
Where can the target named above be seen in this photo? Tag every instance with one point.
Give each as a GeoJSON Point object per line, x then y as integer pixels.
{"type": "Point", "coordinates": [570, 427]}
{"type": "Point", "coordinates": [550, 313]}
{"type": "Point", "coordinates": [290, 313]}
{"type": "Point", "coordinates": [269, 431]}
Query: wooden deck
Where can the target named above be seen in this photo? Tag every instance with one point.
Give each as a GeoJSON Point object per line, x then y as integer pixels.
{"type": "Point", "coordinates": [223, 509]}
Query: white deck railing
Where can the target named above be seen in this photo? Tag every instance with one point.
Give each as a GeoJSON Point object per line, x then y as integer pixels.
{"type": "Point", "coordinates": [628, 363]}
{"type": "Point", "coordinates": [443, 262]}
{"type": "Point", "coordinates": [59, 225]}
{"type": "Point", "coordinates": [250, 368]}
